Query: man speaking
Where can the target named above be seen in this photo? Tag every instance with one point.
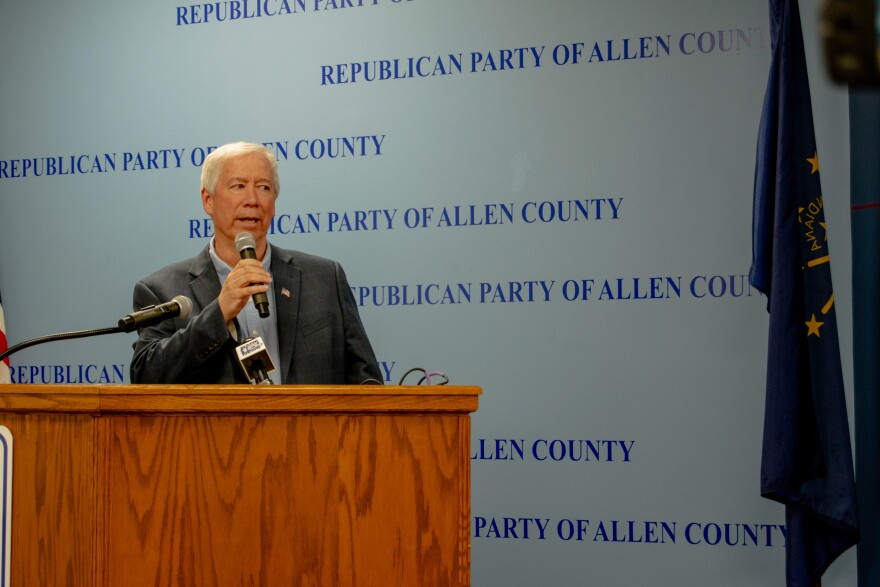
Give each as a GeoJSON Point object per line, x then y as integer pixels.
{"type": "Point", "coordinates": [304, 326]}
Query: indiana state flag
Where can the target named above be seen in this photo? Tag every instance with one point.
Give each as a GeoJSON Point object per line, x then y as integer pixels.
{"type": "Point", "coordinates": [807, 458]}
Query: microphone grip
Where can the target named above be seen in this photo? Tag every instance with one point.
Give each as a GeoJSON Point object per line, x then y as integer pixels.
{"type": "Point", "coordinates": [261, 300]}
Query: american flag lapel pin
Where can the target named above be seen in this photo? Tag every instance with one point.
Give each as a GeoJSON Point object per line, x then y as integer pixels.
{"type": "Point", "coordinates": [285, 292]}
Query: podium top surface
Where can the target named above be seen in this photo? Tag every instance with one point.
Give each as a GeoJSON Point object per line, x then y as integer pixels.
{"type": "Point", "coordinates": [110, 399]}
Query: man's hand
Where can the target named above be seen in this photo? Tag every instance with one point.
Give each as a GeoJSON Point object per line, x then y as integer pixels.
{"type": "Point", "coordinates": [246, 279]}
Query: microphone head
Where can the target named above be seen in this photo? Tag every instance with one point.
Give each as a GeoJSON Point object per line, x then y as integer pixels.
{"type": "Point", "coordinates": [245, 240]}
{"type": "Point", "coordinates": [185, 304]}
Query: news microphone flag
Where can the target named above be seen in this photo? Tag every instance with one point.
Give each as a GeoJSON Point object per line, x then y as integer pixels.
{"type": "Point", "coordinates": [4, 364]}
{"type": "Point", "coordinates": [806, 457]}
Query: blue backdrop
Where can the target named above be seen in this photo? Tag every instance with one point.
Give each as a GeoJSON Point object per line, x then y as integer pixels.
{"type": "Point", "coordinates": [549, 200]}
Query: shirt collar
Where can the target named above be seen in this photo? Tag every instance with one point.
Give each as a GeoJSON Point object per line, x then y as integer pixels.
{"type": "Point", "coordinates": [224, 269]}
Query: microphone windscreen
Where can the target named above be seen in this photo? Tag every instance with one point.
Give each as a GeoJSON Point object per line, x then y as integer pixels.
{"type": "Point", "coordinates": [245, 240]}
{"type": "Point", "coordinates": [185, 304]}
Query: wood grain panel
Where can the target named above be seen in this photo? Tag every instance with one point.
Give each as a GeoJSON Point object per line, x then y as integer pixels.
{"type": "Point", "coordinates": [401, 485]}
{"type": "Point", "coordinates": [53, 516]}
{"type": "Point", "coordinates": [285, 500]}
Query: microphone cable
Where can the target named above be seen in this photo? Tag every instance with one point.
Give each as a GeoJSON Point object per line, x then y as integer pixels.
{"type": "Point", "coordinates": [426, 377]}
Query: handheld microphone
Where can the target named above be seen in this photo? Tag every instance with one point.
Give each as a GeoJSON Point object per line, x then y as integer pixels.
{"type": "Point", "coordinates": [255, 361]}
{"type": "Point", "coordinates": [179, 306]}
{"type": "Point", "coordinates": [247, 249]}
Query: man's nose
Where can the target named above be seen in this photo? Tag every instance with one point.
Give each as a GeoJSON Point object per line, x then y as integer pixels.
{"type": "Point", "coordinates": [252, 194]}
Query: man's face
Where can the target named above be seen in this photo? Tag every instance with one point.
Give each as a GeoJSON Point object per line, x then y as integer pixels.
{"type": "Point", "coordinates": [244, 198]}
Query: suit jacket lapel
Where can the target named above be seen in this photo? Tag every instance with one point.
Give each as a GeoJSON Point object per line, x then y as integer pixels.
{"type": "Point", "coordinates": [286, 281]}
{"type": "Point", "coordinates": [204, 284]}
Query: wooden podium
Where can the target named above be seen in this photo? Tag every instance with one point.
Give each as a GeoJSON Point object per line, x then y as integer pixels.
{"type": "Point", "coordinates": [240, 485]}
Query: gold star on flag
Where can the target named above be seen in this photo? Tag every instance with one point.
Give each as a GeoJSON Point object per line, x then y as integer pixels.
{"type": "Point", "coordinates": [813, 326]}
{"type": "Point", "coordinates": [814, 161]}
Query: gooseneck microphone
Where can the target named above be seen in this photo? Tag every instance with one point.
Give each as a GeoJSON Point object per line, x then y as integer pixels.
{"type": "Point", "coordinates": [179, 306]}
{"type": "Point", "coordinates": [247, 249]}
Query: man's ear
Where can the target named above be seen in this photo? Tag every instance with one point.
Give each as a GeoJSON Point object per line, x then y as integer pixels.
{"type": "Point", "coordinates": [208, 202]}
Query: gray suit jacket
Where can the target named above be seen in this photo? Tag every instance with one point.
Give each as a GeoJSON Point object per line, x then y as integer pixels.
{"type": "Point", "coordinates": [320, 335]}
